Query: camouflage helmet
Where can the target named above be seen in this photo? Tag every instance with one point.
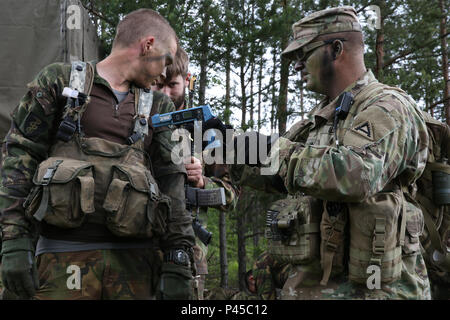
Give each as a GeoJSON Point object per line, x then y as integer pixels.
{"type": "Point", "coordinates": [332, 20]}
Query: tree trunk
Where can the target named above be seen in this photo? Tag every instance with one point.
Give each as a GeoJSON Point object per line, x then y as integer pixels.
{"type": "Point", "coordinates": [223, 250]}
{"type": "Point", "coordinates": [243, 95]}
{"type": "Point", "coordinates": [443, 31]}
{"type": "Point", "coordinates": [242, 252]}
{"type": "Point", "coordinates": [379, 46]}
{"type": "Point", "coordinates": [261, 64]}
{"type": "Point", "coordinates": [204, 53]}
{"type": "Point", "coordinates": [274, 100]}
{"type": "Point", "coordinates": [284, 78]}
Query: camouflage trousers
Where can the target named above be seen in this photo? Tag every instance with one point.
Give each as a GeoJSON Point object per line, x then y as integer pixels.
{"type": "Point", "coordinates": [303, 284]}
{"type": "Point", "coordinates": [270, 276]}
{"type": "Point", "coordinates": [99, 274]}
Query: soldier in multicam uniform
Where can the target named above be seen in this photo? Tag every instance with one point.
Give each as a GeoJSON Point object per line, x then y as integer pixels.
{"type": "Point", "coordinates": [97, 245]}
{"type": "Point", "coordinates": [349, 170]}
{"type": "Point", "coordinates": [199, 175]}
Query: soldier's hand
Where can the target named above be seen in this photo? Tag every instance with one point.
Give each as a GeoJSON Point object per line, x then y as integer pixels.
{"type": "Point", "coordinates": [19, 273]}
{"type": "Point", "coordinates": [176, 282]}
{"type": "Point", "coordinates": [195, 173]}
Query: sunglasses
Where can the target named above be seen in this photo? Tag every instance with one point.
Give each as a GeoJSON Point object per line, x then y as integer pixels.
{"type": "Point", "coordinates": [305, 52]}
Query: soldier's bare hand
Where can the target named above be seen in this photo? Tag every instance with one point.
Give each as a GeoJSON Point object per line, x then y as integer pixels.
{"type": "Point", "coordinates": [195, 173]}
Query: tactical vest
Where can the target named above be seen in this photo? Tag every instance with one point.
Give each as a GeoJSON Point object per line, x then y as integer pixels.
{"type": "Point", "coordinates": [380, 229]}
{"type": "Point", "coordinates": [93, 180]}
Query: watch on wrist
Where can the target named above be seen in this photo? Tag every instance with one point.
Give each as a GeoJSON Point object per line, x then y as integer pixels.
{"type": "Point", "coordinates": [177, 256]}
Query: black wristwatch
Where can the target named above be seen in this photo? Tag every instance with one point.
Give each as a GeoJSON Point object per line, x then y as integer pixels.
{"type": "Point", "coordinates": [177, 256]}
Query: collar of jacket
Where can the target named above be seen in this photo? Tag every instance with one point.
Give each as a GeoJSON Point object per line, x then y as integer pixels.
{"type": "Point", "coordinates": [324, 111]}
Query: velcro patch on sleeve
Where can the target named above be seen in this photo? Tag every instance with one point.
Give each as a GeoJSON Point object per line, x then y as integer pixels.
{"type": "Point", "coordinates": [33, 126]}
{"type": "Point", "coordinates": [369, 126]}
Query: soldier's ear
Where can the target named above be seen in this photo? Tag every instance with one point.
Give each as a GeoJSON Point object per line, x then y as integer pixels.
{"type": "Point", "coordinates": [147, 45]}
{"type": "Point", "coordinates": [338, 47]}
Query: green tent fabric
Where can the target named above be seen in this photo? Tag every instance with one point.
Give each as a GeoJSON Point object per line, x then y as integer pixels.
{"type": "Point", "coordinates": [35, 33]}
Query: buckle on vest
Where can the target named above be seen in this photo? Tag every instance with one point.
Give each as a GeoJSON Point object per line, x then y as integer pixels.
{"type": "Point", "coordinates": [133, 138]}
{"type": "Point", "coordinates": [48, 176]}
{"type": "Point", "coordinates": [379, 236]}
{"type": "Point", "coordinates": [66, 129]}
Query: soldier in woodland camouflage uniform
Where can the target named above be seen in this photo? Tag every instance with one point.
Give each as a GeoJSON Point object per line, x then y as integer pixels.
{"type": "Point", "coordinates": [357, 162]}
{"type": "Point", "coordinates": [103, 193]}
{"type": "Point", "coordinates": [199, 174]}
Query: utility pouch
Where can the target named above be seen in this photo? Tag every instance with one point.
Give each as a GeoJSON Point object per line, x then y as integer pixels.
{"type": "Point", "coordinates": [63, 192]}
{"type": "Point", "coordinates": [377, 235]}
{"type": "Point", "coordinates": [292, 229]}
{"type": "Point", "coordinates": [134, 205]}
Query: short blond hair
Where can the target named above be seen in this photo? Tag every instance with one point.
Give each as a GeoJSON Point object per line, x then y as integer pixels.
{"type": "Point", "coordinates": [140, 23]}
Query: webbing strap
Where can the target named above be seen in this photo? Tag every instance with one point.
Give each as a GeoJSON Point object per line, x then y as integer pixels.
{"type": "Point", "coordinates": [433, 233]}
{"type": "Point", "coordinates": [327, 264]}
{"type": "Point", "coordinates": [365, 256]}
{"type": "Point", "coordinates": [393, 271]}
{"type": "Point", "coordinates": [404, 218]}
{"type": "Point", "coordinates": [143, 109]}
{"type": "Point", "coordinates": [331, 246]}
{"type": "Point", "coordinates": [81, 80]}
{"type": "Point", "coordinates": [379, 236]}
{"type": "Point", "coordinates": [41, 212]}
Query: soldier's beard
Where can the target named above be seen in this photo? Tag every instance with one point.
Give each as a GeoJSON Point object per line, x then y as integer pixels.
{"type": "Point", "coordinates": [179, 100]}
{"type": "Point", "coordinates": [327, 72]}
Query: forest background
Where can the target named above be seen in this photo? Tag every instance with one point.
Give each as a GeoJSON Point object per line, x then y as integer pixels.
{"type": "Point", "coordinates": [234, 48]}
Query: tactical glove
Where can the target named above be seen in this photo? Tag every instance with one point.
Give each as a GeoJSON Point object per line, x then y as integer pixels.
{"type": "Point", "coordinates": [19, 273]}
{"type": "Point", "coordinates": [176, 282]}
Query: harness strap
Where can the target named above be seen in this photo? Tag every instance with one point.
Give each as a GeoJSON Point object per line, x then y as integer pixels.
{"type": "Point", "coordinates": [143, 106]}
{"type": "Point", "coordinates": [331, 246]}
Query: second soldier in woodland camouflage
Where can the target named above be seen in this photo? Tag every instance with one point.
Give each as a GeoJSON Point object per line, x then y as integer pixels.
{"type": "Point", "coordinates": [100, 204]}
{"type": "Point", "coordinates": [349, 170]}
{"type": "Point", "coordinates": [199, 175]}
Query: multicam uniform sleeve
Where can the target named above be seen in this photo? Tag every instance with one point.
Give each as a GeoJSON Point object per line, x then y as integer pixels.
{"type": "Point", "coordinates": [26, 145]}
{"type": "Point", "coordinates": [218, 176]}
{"type": "Point", "coordinates": [171, 179]}
{"type": "Point", "coordinates": [386, 139]}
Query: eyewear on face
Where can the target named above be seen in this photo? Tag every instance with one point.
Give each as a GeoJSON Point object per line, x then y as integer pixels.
{"type": "Point", "coordinates": [304, 53]}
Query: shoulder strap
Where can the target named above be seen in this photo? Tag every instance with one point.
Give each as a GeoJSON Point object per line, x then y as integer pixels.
{"type": "Point", "coordinates": [143, 106]}
{"type": "Point", "coordinates": [81, 77]}
{"type": "Point", "coordinates": [80, 86]}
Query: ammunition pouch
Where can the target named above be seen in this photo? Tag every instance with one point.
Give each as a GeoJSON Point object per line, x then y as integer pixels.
{"type": "Point", "coordinates": [63, 194]}
{"type": "Point", "coordinates": [381, 228]}
{"type": "Point", "coordinates": [109, 185]}
{"type": "Point", "coordinates": [134, 205]}
{"type": "Point", "coordinates": [292, 229]}
{"type": "Point", "coordinates": [196, 197]}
